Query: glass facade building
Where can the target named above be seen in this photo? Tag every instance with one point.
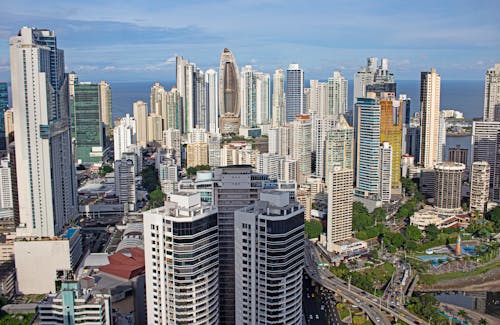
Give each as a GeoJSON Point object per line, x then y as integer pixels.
{"type": "Point", "coordinates": [4, 104]}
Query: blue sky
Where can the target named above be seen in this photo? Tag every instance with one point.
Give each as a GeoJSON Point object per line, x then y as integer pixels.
{"type": "Point", "coordinates": [133, 41]}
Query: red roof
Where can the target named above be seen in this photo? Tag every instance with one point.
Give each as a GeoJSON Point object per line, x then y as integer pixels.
{"type": "Point", "coordinates": [124, 266]}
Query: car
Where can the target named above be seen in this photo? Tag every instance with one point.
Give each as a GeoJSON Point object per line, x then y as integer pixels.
{"type": "Point", "coordinates": [322, 307]}
{"type": "Point", "coordinates": [357, 300]}
{"type": "Point", "coordinates": [311, 317]}
{"type": "Point", "coordinates": [317, 316]}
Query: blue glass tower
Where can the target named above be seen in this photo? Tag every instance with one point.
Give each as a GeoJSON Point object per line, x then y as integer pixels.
{"type": "Point", "coordinates": [4, 104]}
{"type": "Point", "coordinates": [294, 98]}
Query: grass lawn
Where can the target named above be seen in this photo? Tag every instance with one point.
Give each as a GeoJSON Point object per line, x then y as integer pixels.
{"type": "Point", "coordinates": [360, 320]}
{"type": "Point", "coordinates": [433, 278]}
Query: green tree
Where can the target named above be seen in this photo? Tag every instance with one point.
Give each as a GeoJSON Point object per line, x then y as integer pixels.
{"type": "Point", "coordinates": [397, 240]}
{"type": "Point", "coordinates": [413, 233]}
{"type": "Point", "coordinates": [105, 169]}
{"type": "Point", "coordinates": [462, 314]}
{"type": "Point", "coordinates": [424, 305]}
{"type": "Point", "coordinates": [379, 214]}
{"type": "Point", "coordinates": [411, 245]}
{"type": "Point", "coordinates": [313, 228]}
{"type": "Point", "coordinates": [494, 216]}
{"type": "Point", "coordinates": [150, 179]}
{"type": "Point", "coordinates": [361, 219]}
{"type": "Point", "coordinates": [156, 199]}
{"type": "Point", "coordinates": [483, 321]}
{"type": "Point", "coordinates": [191, 171]}
{"type": "Point", "coordinates": [431, 233]}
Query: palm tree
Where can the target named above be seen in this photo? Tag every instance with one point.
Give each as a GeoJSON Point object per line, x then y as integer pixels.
{"type": "Point", "coordinates": [462, 314]}
{"type": "Point", "coordinates": [483, 321]}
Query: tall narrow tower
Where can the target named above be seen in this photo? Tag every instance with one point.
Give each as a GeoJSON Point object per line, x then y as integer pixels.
{"type": "Point", "coordinates": [45, 172]}
{"type": "Point", "coordinates": [294, 102]}
{"type": "Point", "coordinates": [491, 93]}
{"type": "Point", "coordinates": [430, 93]}
{"type": "Point", "coordinates": [229, 86]}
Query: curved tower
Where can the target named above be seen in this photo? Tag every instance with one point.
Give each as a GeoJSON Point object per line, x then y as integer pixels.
{"type": "Point", "coordinates": [229, 87]}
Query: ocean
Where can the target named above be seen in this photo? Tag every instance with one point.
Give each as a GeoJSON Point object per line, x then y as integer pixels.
{"type": "Point", "coordinates": [466, 96]}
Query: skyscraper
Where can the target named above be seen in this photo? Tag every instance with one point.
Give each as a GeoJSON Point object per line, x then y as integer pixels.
{"type": "Point", "coordinates": [479, 186]}
{"type": "Point", "coordinates": [430, 93]}
{"type": "Point", "coordinates": [171, 112]}
{"type": "Point", "coordinates": [294, 96]}
{"type": "Point", "coordinates": [339, 219]}
{"type": "Point", "coordinates": [301, 148]}
{"type": "Point", "coordinates": [236, 187]}
{"type": "Point", "coordinates": [105, 103]}
{"type": "Point", "coordinates": [448, 188]}
{"type": "Point", "coordinates": [386, 172]}
{"type": "Point", "coordinates": [262, 98]}
{"type": "Point", "coordinates": [338, 146]}
{"type": "Point", "coordinates": [491, 93]}
{"type": "Point", "coordinates": [124, 134]}
{"type": "Point", "coordinates": [391, 131]}
{"type": "Point", "coordinates": [262, 272]}
{"type": "Point", "coordinates": [4, 105]}
{"type": "Point", "coordinates": [213, 100]}
{"type": "Point", "coordinates": [319, 98]}
{"type": "Point", "coordinates": [337, 94]}
{"type": "Point", "coordinates": [441, 137]}
{"type": "Point", "coordinates": [368, 143]}
{"type": "Point", "coordinates": [229, 85]}
{"type": "Point", "coordinates": [320, 130]}
{"type": "Point", "coordinates": [278, 105]}
{"type": "Point", "coordinates": [181, 245]}
{"type": "Point", "coordinates": [248, 97]}
{"type": "Point", "coordinates": [374, 78]}
{"type": "Point", "coordinates": [201, 117]}
{"type": "Point", "coordinates": [45, 172]}
{"type": "Point", "coordinates": [125, 183]}
{"type": "Point", "coordinates": [156, 97]}
{"type": "Point", "coordinates": [140, 109]}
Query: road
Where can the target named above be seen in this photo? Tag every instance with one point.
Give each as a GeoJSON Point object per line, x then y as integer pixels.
{"type": "Point", "coordinates": [369, 303]}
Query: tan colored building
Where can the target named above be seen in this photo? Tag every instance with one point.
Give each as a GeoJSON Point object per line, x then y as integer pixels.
{"type": "Point", "coordinates": [448, 189]}
{"type": "Point", "coordinates": [391, 131]}
{"type": "Point", "coordinates": [141, 122]}
{"type": "Point", "coordinates": [154, 128]}
{"type": "Point", "coordinates": [430, 94]}
{"type": "Point", "coordinates": [340, 198]}
{"type": "Point", "coordinates": [197, 154]}
{"type": "Point", "coordinates": [479, 186]}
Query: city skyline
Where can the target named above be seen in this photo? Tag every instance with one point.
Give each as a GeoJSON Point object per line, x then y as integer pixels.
{"type": "Point", "coordinates": [322, 39]}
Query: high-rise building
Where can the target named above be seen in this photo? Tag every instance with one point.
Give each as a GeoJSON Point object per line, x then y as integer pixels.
{"type": "Point", "coordinates": [373, 78]}
{"type": "Point", "coordinates": [262, 273]}
{"type": "Point", "coordinates": [430, 92]}
{"type": "Point", "coordinates": [413, 142]}
{"type": "Point", "coordinates": [386, 172]}
{"type": "Point", "coordinates": [197, 154]}
{"type": "Point", "coordinates": [321, 128]}
{"type": "Point", "coordinates": [339, 219]}
{"type": "Point", "coordinates": [45, 172]}
{"type": "Point", "coordinates": [441, 137]}
{"type": "Point", "coordinates": [125, 183]}
{"type": "Point", "coordinates": [278, 105]}
{"type": "Point", "coordinates": [479, 186]}
{"type": "Point", "coordinates": [237, 187]}
{"type": "Point", "coordinates": [485, 147]}
{"type": "Point", "coordinates": [491, 93]}
{"type": "Point", "coordinates": [9, 126]}
{"type": "Point", "coordinates": [229, 86]}
{"type": "Point", "coordinates": [337, 94]}
{"type": "Point", "coordinates": [367, 148]}
{"type": "Point", "coordinates": [172, 142]}
{"type": "Point", "coordinates": [201, 115]}
{"type": "Point", "coordinates": [4, 105]}
{"type": "Point", "coordinates": [319, 98]}
{"type": "Point", "coordinates": [458, 154]}
{"type": "Point", "coordinates": [87, 128]}
{"type": "Point", "coordinates": [406, 115]}
{"type": "Point", "coordinates": [105, 103]}
{"type": "Point", "coordinates": [124, 134]}
{"type": "Point", "coordinates": [262, 98]}
{"type": "Point", "coordinates": [181, 243]}
{"type": "Point", "coordinates": [247, 97]}
{"type": "Point", "coordinates": [212, 101]}
{"type": "Point", "coordinates": [338, 147]}
{"type": "Point", "coordinates": [154, 128]}
{"type": "Point", "coordinates": [6, 200]}
{"type": "Point", "coordinates": [448, 190]}
{"type": "Point", "coordinates": [157, 91]}
{"type": "Point", "coordinates": [301, 148]}
{"type": "Point", "coordinates": [171, 110]}
{"type": "Point", "coordinates": [214, 151]}
{"type": "Point", "coordinates": [140, 109]}
{"type": "Point", "coordinates": [391, 131]}
{"type": "Point", "coordinates": [294, 95]}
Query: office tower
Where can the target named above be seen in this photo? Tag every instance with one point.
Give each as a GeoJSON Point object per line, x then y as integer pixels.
{"type": "Point", "coordinates": [391, 131]}
{"type": "Point", "coordinates": [201, 117]}
{"type": "Point", "coordinates": [154, 128]}
{"type": "Point", "coordinates": [479, 186]}
{"type": "Point", "coordinates": [229, 86]}
{"type": "Point", "coordinates": [172, 142]}
{"type": "Point", "coordinates": [339, 219]}
{"type": "Point", "coordinates": [491, 93]}
{"type": "Point", "coordinates": [181, 255]}
{"type": "Point", "coordinates": [87, 128]}
{"type": "Point", "coordinates": [448, 186]}
{"type": "Point", "coordinates": [319, 97]}
{"type": "Point", "coordinates": [301, 148]}
{"type": "Point", "coordinates": [248, 97]}
{"type": "Point", "coordinates": [236, 187]}
{"type": "Point", "coordinates": [294, 95]}
{"type": "Point", "coordinates": [278, 106]}
{"type": "Point", "coordinates": [337, 94]}
{"type": "Point", "coordinates": [171, 110]}
{"type": "Point", "coordinates": [320, 129]}
{"type": "Point", "coordinates": [4, 105]}
{"type": "Point", "coordinates": [105, 103]}
{"type": "Point", "coordinates": [368, 143]}
{"type": "Point", "coordinates": [362, 78]}
{"type": "Point", "coordinates": [405, 116]}
{"type": "Point", "coordinates": [9, 126]}
{"type": "Point", "coordinates": [458, 154]}
{"type": "Point", "coordinates": [386, 170]}
{"type": "Point", "coordinates": [413, 142]}
{"type": "Point", "coordinates": [430, 92]}
{"type": "Point", "coordinates": [212, 101]}
{"type": "Point", "coordinates": [124, 134]}
{"type": "Point", "coordinates": [307, 100]}
{"type": "Point", "coordinates": [262, 98]}
{"type": "Point", "coordinates": [338, 146]}
{"type": "Point", "coordinates": [262, 274]}
{"type": "Point", "coordinates": [156, 97]}
{"type": "Point", "coordinates": [374, 78]}
{"type": "Point", "coordinates": [485, 146]}
{"type": "Point", "coordinates": [125, 183]}
{"type": "Point", "coordinates": [140, 109]}
{"type": "Point", "coordinates": [214, 152]}
{"type": "Point", "coordinates": [441, 137]}
{"type": "Point", "coordinates": [45, 172]}
{"type": "Point", "coordinates": [197, 154]}
{"type": "Point", "coordinates": [6, 201]}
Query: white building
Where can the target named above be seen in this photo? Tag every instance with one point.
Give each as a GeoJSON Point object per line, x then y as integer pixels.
{"type": "Point", "coordinates": [385, 172]}
{"type": "Point", "coordinates": [492, 93]}
{"type": "Point", "coordinates": [140, 109]}
{"type": "Point", "coordinates": [6, 185]}
{"type": "Point", "coordinates": [213, 101]}
{"type": "Point", "coordinates": [429, 112]}
{"type": "Point", "coordinates": [172, 142]}
{"type": "Point", "coordinates": [321, 128]}
{"type": "Point", "coordinates": [182, 262]}
{"type": "Point", "coordinates": [269, 259]}
{"type": "Point", "coordinates": [340, 199]}
{"type": "Point", "coordinates": [301, 146]}
{"type": "Point", "coordinates": [479, 186]}
{"type": "Point", "coordinates": [278, 105]}
{"type": "Point", "coordinates": [125, 183]}
{"type": "Point", "coordinates": [46, 179]}
{"type": "Point", "coordinates": [337, 94]}
{"type": "Point", "coordinates": [318, 98]}
{"type": "Point", "coordinates": [124, 135]}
